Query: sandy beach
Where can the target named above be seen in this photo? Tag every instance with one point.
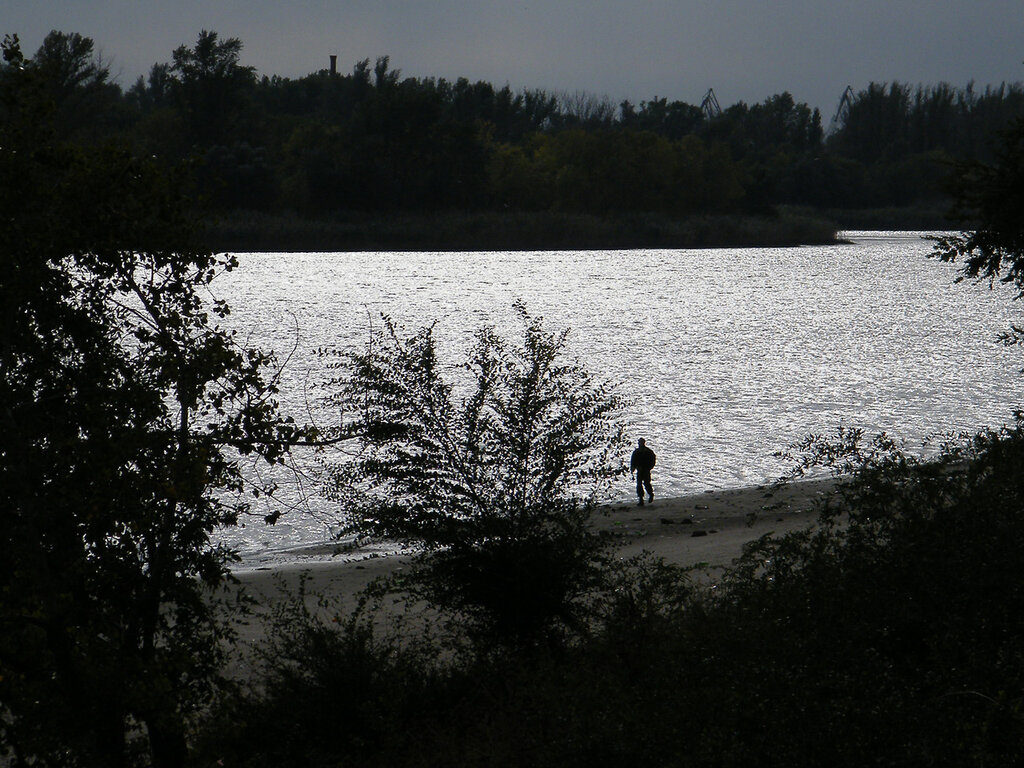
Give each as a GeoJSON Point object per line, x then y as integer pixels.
{"type": "Point", "coordinates": [708, 528]}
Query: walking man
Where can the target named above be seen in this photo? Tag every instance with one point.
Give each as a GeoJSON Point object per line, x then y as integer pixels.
{"type": "Point", "coordinates": [640, 464]}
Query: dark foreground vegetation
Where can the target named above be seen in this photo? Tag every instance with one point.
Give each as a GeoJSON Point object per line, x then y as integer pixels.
{"type": "Point", "coordinates": [372, 159]}
{"type": "Point", "coordinates": [891, 635]}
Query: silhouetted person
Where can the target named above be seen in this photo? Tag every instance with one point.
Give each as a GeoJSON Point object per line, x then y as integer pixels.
{"type": "Point", "coordinates": [640, 464]}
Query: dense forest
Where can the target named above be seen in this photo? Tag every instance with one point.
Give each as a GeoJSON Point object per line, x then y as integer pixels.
{"type": "Point", "coordinates": [372, 143]}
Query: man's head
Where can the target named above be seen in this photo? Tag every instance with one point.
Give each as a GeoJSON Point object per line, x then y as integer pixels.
{"type": "Point", "coordinates": [641, 442]}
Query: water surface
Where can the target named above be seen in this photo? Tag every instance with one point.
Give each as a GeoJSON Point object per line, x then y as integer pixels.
{"type": "Point", "coordinates": [728, 355]}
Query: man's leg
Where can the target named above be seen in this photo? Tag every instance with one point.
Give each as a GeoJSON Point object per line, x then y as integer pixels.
{"type": "Point", "coordinates": [650, 489]}
{"type": "Point", "coordinates": [640, 487]}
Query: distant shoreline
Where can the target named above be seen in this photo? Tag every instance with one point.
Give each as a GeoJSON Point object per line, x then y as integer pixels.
{"type": "Point", "coordinates": [512, 231]}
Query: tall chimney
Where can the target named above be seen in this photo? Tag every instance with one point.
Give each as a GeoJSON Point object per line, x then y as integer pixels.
{"type": "Point", "coordinates": [334, 64]}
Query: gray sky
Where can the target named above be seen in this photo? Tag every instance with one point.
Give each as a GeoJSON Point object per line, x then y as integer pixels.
{"type": "Point", "coordinates": [747, 50]}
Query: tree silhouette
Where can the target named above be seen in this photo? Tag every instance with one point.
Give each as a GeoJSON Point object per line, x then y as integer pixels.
{"type": "Point", "coordinates": [125, 412]}
{"type": "Point", "coordinates": [212, 85]}
{"type": "Point", "coordinates": [495, 484]}
{"type": "Point", "coordinates": [989, 201]}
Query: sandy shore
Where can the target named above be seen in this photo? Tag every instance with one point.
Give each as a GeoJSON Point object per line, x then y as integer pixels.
{"type": "Point", "coordinates": [707, 528]}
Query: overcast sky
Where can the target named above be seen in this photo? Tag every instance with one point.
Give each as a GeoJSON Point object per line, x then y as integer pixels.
{"type": "Point", "coordinates": [747, 50]}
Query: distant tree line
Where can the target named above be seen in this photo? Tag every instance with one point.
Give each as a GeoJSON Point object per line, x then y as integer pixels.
{"type": "Point", "coordinates": [375, 141]}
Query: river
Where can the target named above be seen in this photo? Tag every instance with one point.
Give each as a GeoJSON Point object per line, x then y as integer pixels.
{"type": "Point", "coordinates": [727, 355]}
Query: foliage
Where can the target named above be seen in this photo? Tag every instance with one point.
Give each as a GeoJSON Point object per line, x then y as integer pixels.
{"type": "Point", "coordinates": [615, 171]}
{"type": "Point", "coordinates": [125, 410]}
{"type": "Point", "coordinates": [350, 689]}
{"type": "Point", "coordinates": [494, 476]}
{"type": "Point", "coordinates": [374, 141]}
{"type": "Point", "coordinates": [87, 104]}
{"type": "Point", "coordinates": [889, 634]}
{"type": "Point", "coordinates": [69, 63]}
{"type": "Point", "coordinates": [989, 200]}
{"type": "Point", "coordinates": [900, 613]}
{"type": "Point", "coordinates": [337, 676]}
{"type": "Point", "coordinates": [210, 85]}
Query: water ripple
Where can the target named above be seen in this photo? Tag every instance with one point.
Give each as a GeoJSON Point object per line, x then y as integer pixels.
{"type": "Point", "coordinates": [728, 355]}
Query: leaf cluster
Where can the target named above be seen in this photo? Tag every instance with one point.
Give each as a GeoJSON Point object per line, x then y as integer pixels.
{"type": "Point", "coordinates": [990, 197]}
{"type": "Point", "coordinates": [492, 473]}
{"type": "Point", "coordinates": [125, 409]}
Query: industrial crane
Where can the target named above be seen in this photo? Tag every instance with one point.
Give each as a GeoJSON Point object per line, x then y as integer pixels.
{"type": "Point", "coordinates": [842, 111]}
{"type": "Point", "coordinates": [710, 105]}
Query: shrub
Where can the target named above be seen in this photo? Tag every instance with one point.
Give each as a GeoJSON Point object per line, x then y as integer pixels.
{"type": "Point", "coordinates": [496, 488]}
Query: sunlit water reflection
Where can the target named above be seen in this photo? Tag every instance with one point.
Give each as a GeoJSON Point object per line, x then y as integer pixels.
{"type": "Point", "coordinates": [728, 355]}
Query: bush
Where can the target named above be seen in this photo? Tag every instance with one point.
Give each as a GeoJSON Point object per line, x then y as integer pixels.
{"type": "Point", "coordinates": [889, 634]}
{"type": "Point", "coordinates": [495, 487]}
